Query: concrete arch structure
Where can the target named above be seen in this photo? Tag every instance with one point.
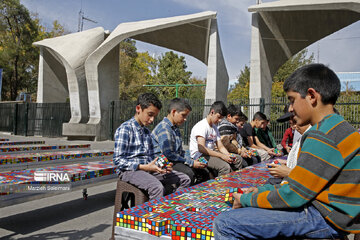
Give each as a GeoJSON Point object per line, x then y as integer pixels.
{"type": "Point", "coordinates": [282, 28]}
{"type": "Point", "coordinates": [62, 71]}
{"type": "Point", "coordinates": [195, 34]}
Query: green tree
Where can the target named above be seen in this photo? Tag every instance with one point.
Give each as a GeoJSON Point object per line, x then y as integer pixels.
{"type": "Point", "coordinates": [241, 87]}
{"type": "Point", "coordinates": [171, 70]}
{"type": "Point", "coordinates": [195, 92]}
{"type": "Point", "coordinates": [17, 55]}
{"type": "Point", "coordinates": [136, 70]}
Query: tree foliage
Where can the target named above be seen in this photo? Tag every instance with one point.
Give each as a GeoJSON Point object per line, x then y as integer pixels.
{"type": "Point", "coordinates": [241, 88]}
{"type": "Point", "coordinates": [136, 70]}
{"type": "Point", "coordinates": [18, 57]}
{"type": "Point", "coordinates": [171, 69]}
{"type": "Point", "coordinates": [17, 33]}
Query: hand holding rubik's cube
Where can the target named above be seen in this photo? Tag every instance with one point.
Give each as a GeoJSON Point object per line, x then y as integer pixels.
{"type": "Point", "coordinates": [229, 198]}
{"type": "Point", "coordinates": [251, 153]}
{"type": "Point", "coordinates": [274, 162]}
{"type": "Point", "coordinates": [233, 157]}
{"type": "Point", "coordinates": [202, 160]}
{"type": "Point", "coordinates": [277, 151]}
{"type": "Point", "coordinates": [162, 162]}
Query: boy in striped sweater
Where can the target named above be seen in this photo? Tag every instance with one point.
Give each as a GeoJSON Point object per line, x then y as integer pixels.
{"type": "Point", "coordinates": [322, 194]}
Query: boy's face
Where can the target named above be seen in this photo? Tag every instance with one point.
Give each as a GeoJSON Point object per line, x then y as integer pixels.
{"type": "Point", "coordinates": [146, 116]}
{"type": "Point", "coordinates": [240, 124]}
{"type": "Point", "coordinates": [260, 123]}
{"type": "Point", "coordinates": [179, 117]}
{"type": "Point", "coordinates": [233, 119]}
{"type": "Point", "coordinates": [300, 107]}
{"type": "Point", "coordinates": [215, 117]}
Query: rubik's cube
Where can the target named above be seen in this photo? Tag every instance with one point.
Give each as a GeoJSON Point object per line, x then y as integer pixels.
{"type": "Point", "coordinates": [202, 160]}
{"type": "Point", "coordinates": [251, 153]}
{"type": "Point", "coordinates": [232, 156]}
{"type": "Point", "coordinates": [229, 198]}
{"type": "Point", "coordinates": [158, 226]}
{"type": "Point", "coordinates": [277, 151]}
{"type": "Point", "coordinates": [275, 162]}
{"type": "Point", "coordinates": [162, 162]}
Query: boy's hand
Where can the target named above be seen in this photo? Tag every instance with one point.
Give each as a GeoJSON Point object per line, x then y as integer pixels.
{"type": "Point", "coordinates": [227, 158]}
{"type": "Point", "coordinates": [250, 190]}
{"type": "Point", "coordinates": [279, 171]}
{"type": "Point", "coordinates": [237, 203]}
{"type": "Point", "coordinates": [152, 167]}
{"type": "Point", "coordinates": [271, 152]}
{"type": "Point", "coordinates": [169, 168]}
{"type": "Point", "coordinates": [288, 149]}
{"type": "Point", "coordinates": [198, 164]}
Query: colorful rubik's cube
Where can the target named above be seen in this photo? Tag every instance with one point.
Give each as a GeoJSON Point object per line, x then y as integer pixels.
{"type": "Point", "coordinates": [275, 162]}
{"type": "Point", "coordinates": [251, 152]}
{"type": "Point", "coordinates": [158, 226]}
{"type": "Point", "coordinates": [229, 199]}
{"type": "Point", "coordinates": [162, 162]}
{"type": "Point", "coordinates": [232, 156]}
{"type": "Point", "coordinates": [277, 151]}
{"type": "Point", "coordinates": [202, 160]}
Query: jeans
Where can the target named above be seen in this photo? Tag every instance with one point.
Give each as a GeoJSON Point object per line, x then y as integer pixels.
{"type": "Point", "coordinates": [258, 223]}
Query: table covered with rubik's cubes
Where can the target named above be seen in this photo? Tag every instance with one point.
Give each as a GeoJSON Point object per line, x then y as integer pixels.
{"type": "Point", "coordinates": [188, 213]}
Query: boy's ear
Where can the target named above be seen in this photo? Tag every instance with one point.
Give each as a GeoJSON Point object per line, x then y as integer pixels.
{"type": "Point", "coordinates": [173, 111]}
{"type": "Point", "coordinates": [138, 109]}
{"type": "Point", "coordinates": [313, 95]}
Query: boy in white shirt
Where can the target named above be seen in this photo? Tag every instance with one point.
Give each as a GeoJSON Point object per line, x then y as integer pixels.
{"type": "Point", "coordinates": [205, 137]}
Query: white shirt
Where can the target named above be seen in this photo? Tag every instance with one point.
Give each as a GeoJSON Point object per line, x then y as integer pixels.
{"type": "Point", "coordinates": [293, 154]}
{"type": "Point", "coordinates": [203, 129]}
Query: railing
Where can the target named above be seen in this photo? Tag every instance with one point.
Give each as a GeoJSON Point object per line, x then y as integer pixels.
{"type": "Point", "coordinates": [46, 119]}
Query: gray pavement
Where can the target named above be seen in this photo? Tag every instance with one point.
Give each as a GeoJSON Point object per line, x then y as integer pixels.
{"type": "Point", "coordinates": [65, 216]}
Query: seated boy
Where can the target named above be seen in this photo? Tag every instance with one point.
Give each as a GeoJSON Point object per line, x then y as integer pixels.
{"type": "Point", "coordinates": [166, 138]}
{"type": "Point", "coordinates": [321, 196]}
{"type": "Point", "coordinates": [134, 154]}
{"type": "Point", "coordinates": [283, 170]}
{"type": "Point", "coordinates": [265, 137]}
{"type": "Point", "coordinates": [251, 140]}
{"type": "Point", "coordinates": [205, 137]}
{"type": "Point", "coordinates": [229, 128]}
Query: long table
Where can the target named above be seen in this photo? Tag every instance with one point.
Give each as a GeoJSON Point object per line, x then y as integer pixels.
{"type": "Point", "coordinates": [189, 213]}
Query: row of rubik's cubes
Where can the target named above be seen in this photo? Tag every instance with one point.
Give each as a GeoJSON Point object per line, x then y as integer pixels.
{"type": "Point", "coordinates": [189, 216]}
{"type": "Point", "coordinates": [157, 225]}
{"type": "Point", "coordinates": [42, 148]}
{"type": "Point", "coordinates": [56, 156]}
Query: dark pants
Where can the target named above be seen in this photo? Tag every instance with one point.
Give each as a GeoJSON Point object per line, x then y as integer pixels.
{"type": "Point", "coordinates": [155, 183]}
{"type": "Point", "coordinates": [196, 175]}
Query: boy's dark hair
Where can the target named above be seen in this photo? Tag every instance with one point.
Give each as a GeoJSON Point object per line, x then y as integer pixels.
{"type": "Point", "coordinates": [235, 110]}
{"type": "Point", "coordinates": [317, 76]}
{"type": "Point", "coordinates": [179, 104]}
{"type": "Point", "coordinates": [145, 99]}
{"type": "Point", "coordinates": [219, 107]}
{"type": "Point", "coordinates": [259, 116]}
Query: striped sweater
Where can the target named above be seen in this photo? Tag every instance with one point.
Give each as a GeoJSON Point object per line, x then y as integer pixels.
{"type": "Point", "coordinates": [327, 176]}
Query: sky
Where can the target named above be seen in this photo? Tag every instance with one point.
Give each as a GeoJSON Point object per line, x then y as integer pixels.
{"type": "Point", "coordinates": [340, 50]}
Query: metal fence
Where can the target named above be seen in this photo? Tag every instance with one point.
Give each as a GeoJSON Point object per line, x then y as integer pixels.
{"type": "Point", "coordinates": [46, 119]}
{"type": "Point", "coordinates": [29, 119]}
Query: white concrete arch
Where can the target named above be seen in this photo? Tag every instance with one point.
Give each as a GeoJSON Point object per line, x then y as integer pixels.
{"type": "Point", "coordinates": [195, 35]}
{"type": "Point", "coordinates": [282, 28]}
{"type": "Point", "coordinates": [62, 72]}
